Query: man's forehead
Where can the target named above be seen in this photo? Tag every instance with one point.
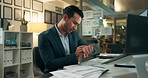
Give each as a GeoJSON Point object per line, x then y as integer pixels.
{"type": "Point", "coordinates": [76, 15]}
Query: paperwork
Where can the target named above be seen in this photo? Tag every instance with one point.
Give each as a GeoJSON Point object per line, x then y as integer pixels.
{"type": "Point", "coordinates": [79, 71]}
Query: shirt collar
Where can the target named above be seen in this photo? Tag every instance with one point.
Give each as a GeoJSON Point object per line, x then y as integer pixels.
{"type": "Point", "coordinates": [59, 31]}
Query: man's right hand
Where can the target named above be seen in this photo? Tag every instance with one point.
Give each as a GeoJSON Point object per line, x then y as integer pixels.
{"type": "Point", "coordinates": [79, 51]}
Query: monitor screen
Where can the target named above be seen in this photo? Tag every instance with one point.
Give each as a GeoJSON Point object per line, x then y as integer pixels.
{"type": "Point", "coordinates": [136, 34]}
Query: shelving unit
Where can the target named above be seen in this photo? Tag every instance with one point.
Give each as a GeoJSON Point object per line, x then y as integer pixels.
{"type": "Point", "coordinates": [16, 55]}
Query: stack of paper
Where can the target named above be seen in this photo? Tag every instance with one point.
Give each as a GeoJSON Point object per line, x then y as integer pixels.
{"type": "Point", "coordinates": [79, 71]}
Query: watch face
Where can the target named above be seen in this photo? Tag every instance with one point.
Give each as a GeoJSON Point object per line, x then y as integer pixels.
{"type": "Point", "coordinates": [146, 65]}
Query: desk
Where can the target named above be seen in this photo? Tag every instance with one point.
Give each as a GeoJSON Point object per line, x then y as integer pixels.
{"type": "Point", "coordinates": [114, 72]}
{"type": "Point", "coordinates": [119, 72]}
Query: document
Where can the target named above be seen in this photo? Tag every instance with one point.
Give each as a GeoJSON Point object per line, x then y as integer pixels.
{"type": "Point", "coordinates": [93, 62]}
{"type": "Point", "coordinates": [64, 74]}
{"type": "Point", "coordinates": [1, 36]}
{"type": "Point", "coordinates": [79, 71]}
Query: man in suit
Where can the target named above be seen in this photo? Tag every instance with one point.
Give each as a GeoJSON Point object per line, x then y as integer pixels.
{"type": "Point", "coordinates": [61, 46]}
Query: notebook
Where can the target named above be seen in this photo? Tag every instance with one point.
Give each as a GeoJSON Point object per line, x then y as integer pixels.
{"type": "Point", "coordinates": [141, 62]}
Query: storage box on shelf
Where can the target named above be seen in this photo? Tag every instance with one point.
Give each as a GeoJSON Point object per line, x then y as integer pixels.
{"type": "Point", "coordinates": [11, 57]}
{"type": "Point", "coordinates": [26, 40]}
{"type": "Point", "coordinates": [11, 53]}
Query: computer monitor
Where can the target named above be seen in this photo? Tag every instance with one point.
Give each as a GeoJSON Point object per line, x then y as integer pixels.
{"type": "Point", "coordinates": [136, 35]}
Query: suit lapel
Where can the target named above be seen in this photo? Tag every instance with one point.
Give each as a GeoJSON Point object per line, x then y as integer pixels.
{"type": "Point", "coordinates": [58, 40]}
{"type": "Point", "coordinates": [71, 43]}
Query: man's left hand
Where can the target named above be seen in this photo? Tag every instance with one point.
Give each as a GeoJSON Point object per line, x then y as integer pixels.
{"type": "Point", "coordinates": [86, 50]}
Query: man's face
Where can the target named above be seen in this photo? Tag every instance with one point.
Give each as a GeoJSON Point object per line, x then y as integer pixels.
{"type": "Point", "coordinates": [72, 23]}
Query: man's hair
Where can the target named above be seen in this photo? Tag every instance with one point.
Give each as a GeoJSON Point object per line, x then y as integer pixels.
{"type": "Point", "coordinates": [70, 10]}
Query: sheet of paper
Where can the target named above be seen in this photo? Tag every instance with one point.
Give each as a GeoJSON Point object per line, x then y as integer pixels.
{"type": "Point", "coordinates": [88, 14]}
{"type": "Point", "coordinates": [79, 71]}
{"type": "Point", "coordinates": [1, 36]}
{"type": "Point", "coordinates": [63, 74]}
{"type": "Point", "coordinates": [87, 27]}
{"type": "Point", "coordinates": [106, 31]}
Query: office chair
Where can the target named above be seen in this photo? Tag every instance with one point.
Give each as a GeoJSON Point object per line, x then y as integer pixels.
{"type": "Point", "coordinates": [38, 65]}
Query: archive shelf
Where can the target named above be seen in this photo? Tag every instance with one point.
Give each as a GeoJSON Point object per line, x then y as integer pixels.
{"type": "Point", "coordinates": [16, 55]}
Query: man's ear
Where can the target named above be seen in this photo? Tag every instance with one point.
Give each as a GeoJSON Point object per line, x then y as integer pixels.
{"type": "Point", "coordinates": [65, 17]}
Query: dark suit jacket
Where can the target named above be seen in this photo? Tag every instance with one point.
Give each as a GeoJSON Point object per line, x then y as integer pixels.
{"type": "Point", "coordinates": [52, 51]}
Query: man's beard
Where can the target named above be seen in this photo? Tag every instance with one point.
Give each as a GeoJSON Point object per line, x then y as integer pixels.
{"type": "Point", "coordinates": [65, 30]}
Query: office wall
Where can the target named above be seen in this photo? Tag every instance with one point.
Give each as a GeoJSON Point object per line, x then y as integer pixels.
{"type": "Point", "coordinates": [39, 15]}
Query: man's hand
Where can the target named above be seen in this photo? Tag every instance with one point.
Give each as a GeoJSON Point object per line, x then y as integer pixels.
{"type": "Point", "coordinates": [79, 51]}
{"type": "Point", "coordinates": [84, 50]}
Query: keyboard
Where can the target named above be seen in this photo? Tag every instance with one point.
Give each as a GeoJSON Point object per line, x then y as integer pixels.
{"type": "Point", "coordinates": [114, 59]}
